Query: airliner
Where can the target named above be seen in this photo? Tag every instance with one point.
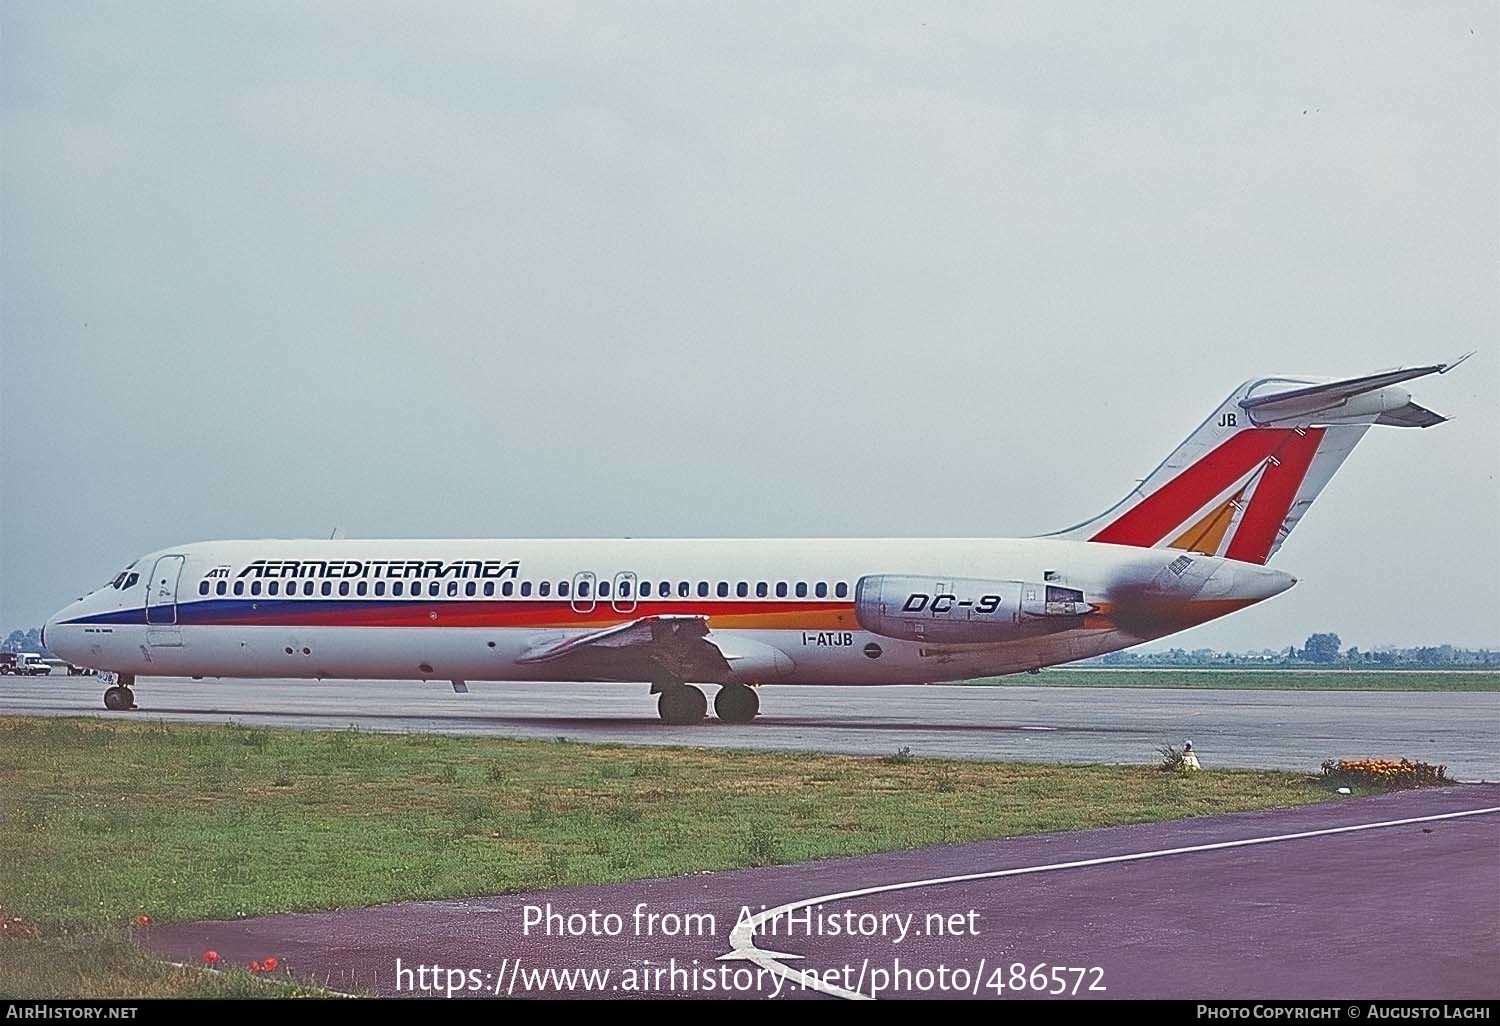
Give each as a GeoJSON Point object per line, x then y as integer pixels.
{"type": "Point", "coordinates": [1187, 545]}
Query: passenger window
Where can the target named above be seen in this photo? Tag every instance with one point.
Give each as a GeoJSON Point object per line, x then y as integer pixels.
{"type": "Point", "coordinates": [433, 589]}
{"type": "Point", "coordinates": [307, 587]}
{"type": "Point", "coordinates": [202, 587]}
{"type": "Point", "coordinates": [604, 589]}
{"type": "Point", "coordinates": [508, 588]}
{"type": "Point", "coordinates": [397, 588]}
{"type": "Point", "coordinates": [470, 589]}
{"type": "Point", "coordinates": [841, 590]}
{"type": "Point", "coordinates": [327, 588]}
{"type": "Point", "coordinates": [239, 587]}
{"type": "Point", "coordinates": [822, 589]}
{"type": "Point", "coordinates": [221, 587]}
{"type": "Point", "coordinates": [255, 587]}
{"type": "Point", "coordinates": [664, 589]}
{"type": "Point", "coordinates": [379, 588]}
{"type": "Point", "coordinates": [526, 589]}
{"type": "Point", "coordinates": [273, 588]}
{"type": "Point", "coordinates": [703, 589]}
{"type": "Point", "coordinates": [742, 589]}
{"type": "Point", "coordinates": [781, 589]}
{"type": "Point", "coordinates": [452, 588]}
{"type": "Point", "coordinates": [562, 589]}
{"type": "Point", "coordinates": [544, 589]}
{"type": "Point", "coordinates": [684, 589]}
{"type": "Point", "coordinates": [489, 588]}
{"type": "Point", "coordinates": [761, 590]}
{"type": "Point", "coordinates": [723, 589]}
{"type": "Point", "coordinates": [343, 587]}
{"type": "Point", "coordinates": [802, 589]}
{"type": "Point", "coordinates": [359, 589]}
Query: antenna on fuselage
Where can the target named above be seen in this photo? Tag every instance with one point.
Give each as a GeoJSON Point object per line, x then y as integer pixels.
{"type": "Point", "coordinates": [336, 532]}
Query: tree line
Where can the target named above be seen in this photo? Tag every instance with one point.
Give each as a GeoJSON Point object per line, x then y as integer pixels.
{"type": "Point", "coordinates": [1323, 649]}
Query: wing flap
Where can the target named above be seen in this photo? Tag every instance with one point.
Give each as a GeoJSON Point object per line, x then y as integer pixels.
{"type": "Point", "coordinates": [648, 630]}
{"type": "Point", "coordinates": [680, 647]}
{"type": "Point", "coordinates": [677, 646]}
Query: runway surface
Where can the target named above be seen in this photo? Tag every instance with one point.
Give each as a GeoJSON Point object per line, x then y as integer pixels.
{"type": "Point", "coordinates": [1263, 729]}
{"type": "Point", "coordinates": [1396, 896]}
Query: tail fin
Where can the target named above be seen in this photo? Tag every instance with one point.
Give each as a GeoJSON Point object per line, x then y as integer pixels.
{"type": "Point", "coordinates": [1239, 484]}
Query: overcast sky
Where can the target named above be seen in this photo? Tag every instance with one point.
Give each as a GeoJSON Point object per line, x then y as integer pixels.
{"type": "Point", "coordinates": [725, 270]}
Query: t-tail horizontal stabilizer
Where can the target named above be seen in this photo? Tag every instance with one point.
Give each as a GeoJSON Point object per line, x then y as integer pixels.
{"type": "Point", "coordinates": [1368, 399]}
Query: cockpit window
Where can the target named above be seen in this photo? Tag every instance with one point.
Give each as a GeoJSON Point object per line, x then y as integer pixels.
{"type": "Point", "coordinates": [124, 578]}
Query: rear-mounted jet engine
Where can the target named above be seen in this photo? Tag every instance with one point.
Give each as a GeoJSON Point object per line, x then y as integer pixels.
{"type": "Point", "coordinates": [965, 611]}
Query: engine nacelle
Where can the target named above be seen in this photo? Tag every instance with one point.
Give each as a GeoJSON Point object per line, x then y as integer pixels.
{"type": "Point", "coordinates": [964, 611]}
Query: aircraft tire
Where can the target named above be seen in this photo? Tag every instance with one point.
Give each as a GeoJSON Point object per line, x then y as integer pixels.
{"type": "Point", "coordinates": [682, 705]}
{"type": "Point", "coordinates": [736, 703]}
{"type": "Point", "coordinates": [118, 699]}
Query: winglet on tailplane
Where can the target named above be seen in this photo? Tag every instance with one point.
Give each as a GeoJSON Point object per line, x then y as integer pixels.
{"type": "Point", "coordinates": [1239, 483]}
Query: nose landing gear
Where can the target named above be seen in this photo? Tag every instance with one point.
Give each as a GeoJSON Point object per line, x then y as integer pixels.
{"type": "Point", "coordinates": [119, 697]}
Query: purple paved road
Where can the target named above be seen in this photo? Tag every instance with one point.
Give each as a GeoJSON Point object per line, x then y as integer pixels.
{"type": "Point", "coordinates": [1410, 911]}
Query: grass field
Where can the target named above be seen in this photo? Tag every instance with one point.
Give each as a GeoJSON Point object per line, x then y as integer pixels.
{"type": "Point", "coordinates": [103, 821]}
{"type": "Point", "coordinates": [1279, 680]}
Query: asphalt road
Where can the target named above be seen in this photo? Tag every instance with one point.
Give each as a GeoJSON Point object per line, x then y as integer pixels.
{"type": "Point", "coordinates": [1264, 729]}
{"type": "Point", "coordinates": [1394, 897]}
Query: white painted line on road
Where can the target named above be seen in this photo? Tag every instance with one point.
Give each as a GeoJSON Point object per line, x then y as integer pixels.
{"type": "Point", "coordinates": [742, 937]}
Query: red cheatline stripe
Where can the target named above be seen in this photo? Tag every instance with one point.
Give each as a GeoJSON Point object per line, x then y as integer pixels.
{"type": "Point", "coordinates": [1164, 510]}
{"type": "Point", "coordinates": [1273, 498]}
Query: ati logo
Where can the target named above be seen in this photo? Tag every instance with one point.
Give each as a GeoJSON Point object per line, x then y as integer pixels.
{"type": "Point", "coordinates": [218, 571]}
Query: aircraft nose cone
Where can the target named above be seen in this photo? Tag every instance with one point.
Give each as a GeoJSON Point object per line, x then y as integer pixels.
{"type": "Point", "coordinates": [55, 640]}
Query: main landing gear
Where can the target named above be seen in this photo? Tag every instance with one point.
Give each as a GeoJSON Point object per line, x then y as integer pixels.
{"type": "Point", "coordinates": [119, 697]}
{"type": "Point", "coordinates": [684, 705]}
{"type": "Point", "coordinates": [736, 703]}
{"type": "Point", "coordinates": [681, 705]}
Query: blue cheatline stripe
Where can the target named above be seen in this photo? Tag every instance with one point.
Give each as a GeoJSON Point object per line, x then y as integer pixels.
{"type": "Point", "coordinates": [213, 611]}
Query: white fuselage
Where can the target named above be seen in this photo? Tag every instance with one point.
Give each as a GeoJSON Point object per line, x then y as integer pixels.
{"type": "Point", "coordinates": [781, 610]}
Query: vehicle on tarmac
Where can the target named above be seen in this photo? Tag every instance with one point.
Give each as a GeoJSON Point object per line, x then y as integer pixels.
{"type": "Point", "coordinates": [24, 664]}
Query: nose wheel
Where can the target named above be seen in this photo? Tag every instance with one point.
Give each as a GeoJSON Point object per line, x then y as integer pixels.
{"type": "Point", "coordinates": [119, 697]}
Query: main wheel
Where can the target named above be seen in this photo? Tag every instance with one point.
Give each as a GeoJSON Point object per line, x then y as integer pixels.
{"type": "Point", "coordinates": [682, 705]}
{"type": "Point", "coordinates": [118, 698]}
{"type": "Point", "coordinates": [736, 703]}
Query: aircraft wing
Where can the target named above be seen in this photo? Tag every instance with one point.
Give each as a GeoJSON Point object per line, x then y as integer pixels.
{"type": "Point", "coordinates": [678, 645]}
